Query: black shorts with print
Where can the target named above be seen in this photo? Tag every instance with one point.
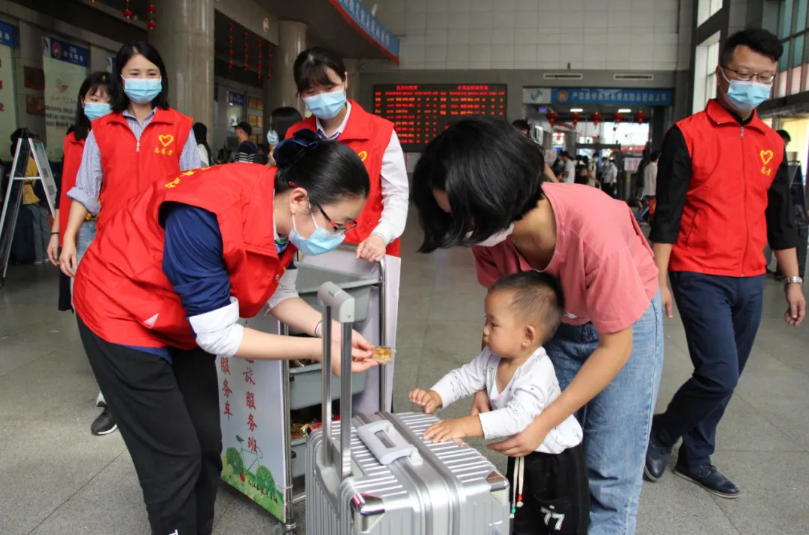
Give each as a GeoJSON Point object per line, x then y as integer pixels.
{"type": "Point", "coordinates": [556, 494]}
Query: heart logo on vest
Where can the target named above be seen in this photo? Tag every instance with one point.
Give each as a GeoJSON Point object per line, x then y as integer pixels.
{"type": "Point", "coordinates": [766, 156]}
{"type": "Point", "coordinates": [166, 140]}
{"type": "Point", "coordinates": [362, 154]}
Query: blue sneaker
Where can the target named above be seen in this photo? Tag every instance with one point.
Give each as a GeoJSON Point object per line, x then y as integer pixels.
{"type": "Point", "coordinates": [709, 478]}
{"type": "Point", "coordinates": [657, 457]}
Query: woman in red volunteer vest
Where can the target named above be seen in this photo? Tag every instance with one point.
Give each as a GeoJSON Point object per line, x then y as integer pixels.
{"type": "Point", "coordinates": [321, 77]}
{"type": "Point", "coordinates": [161, 290]}
{"type": "Point", "coordinates": [93, 102]}
{"type": "Point", "coordinates": [140, 141]}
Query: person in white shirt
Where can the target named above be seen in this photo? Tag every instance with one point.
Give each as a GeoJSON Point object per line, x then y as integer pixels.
{"type": "Point", "coordinates": [203, 149]}
{"type": "Point", "coordinates": [550, 487]}
{"type": "Point", "coordinates": [322, 80]}
{"type": "Point", "coordinates": [592, 171]}
{"type": "Point", "coordinates": [610, 174]}
{"type": "Point", "coordinates": [569, 173]}
{"type": "Point", "coordinates": [649, 185]}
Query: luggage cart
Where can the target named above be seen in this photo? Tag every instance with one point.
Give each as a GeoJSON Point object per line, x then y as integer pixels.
{"type": "Point", "coordinates": [278, 487]}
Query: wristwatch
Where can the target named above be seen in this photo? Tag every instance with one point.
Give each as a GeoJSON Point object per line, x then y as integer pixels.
{"type": "Point", "coordinates": [793, 280]}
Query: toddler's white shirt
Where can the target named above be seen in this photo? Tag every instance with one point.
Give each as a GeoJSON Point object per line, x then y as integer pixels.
{"type": "Point", "coordinates": [532, 388]}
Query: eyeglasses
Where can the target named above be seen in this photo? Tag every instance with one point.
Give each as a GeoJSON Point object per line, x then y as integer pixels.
{"type": "Point", "coordinates": [749, 76]}
{"type": "Point", "coordinates": [335, 227]}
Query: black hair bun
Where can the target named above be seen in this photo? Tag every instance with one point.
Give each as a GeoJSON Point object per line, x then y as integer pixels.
{"type": "Point", "coordinates": [292, 148]}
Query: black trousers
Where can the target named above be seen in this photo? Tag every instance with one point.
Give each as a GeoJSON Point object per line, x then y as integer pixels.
{"type": "Point", "coordinates": [556, 494]}
{"type": "Point", "coordinates": [168, 415]}
{"type": "Point", "coordinates": [721, 316]}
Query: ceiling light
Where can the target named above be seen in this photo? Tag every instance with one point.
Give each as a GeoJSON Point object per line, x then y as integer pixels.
{"type": "Point", "coordinates": [576, 110]}
{"type": "Point", "coordinates": [624, 110]}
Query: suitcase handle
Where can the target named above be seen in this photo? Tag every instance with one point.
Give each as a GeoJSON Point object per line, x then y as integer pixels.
{"type": "Point", "coordinates": [339, 305]}
{"type": "Point", "coordinates": [387, 454]}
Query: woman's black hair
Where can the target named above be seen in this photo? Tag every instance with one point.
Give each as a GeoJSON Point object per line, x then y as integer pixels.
{"type": "Point", "coordinates": [492, 176]}
{"type": "Point", "coordinates": [201, 135]}
{"type": "Point", "coordinates": [581, 175]}
{"type": "Point", "coordinates": [283, 118]}
{"type": "Point", "coordinates": [120, 101]}
{"type": "Point", "coordinates": [329, 171]}
{"type": "Point", "coordinates": [91, 84]}
{"type": "Point", "coordinates": [310, 67]}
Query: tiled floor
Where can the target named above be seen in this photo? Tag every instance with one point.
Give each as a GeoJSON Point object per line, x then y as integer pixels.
{"type": "Point", "coordinates": [55, 478]}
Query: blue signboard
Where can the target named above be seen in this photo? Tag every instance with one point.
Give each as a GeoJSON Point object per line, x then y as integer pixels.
{"type": "Point", "coordinates": [237, 99]}
{"type": "Point", "coordinates": [361, 16]}
{"type": "Point", "coordinates": [594, 95]}
{"type": "Point", "coordinates": [8, 34]}
{"type": "Point", "coordinates": [56, 49]}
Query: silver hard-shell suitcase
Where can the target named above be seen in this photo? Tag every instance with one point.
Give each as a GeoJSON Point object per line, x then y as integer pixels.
{"type": "Point", "coordinates": [376, 474]}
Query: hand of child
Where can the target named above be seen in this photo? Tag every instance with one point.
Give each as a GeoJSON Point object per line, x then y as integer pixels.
{"type": "Point", "coordinates": [446, 430]}
{"type": "Point", "coordinates": [429, 401]}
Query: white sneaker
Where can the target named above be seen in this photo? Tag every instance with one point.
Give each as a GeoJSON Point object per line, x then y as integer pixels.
{"type": "Point", "coordinates": [100, 401]}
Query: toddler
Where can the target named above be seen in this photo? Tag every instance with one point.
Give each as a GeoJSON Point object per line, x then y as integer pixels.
{"type": "Point", "coordinates": [550, 485]}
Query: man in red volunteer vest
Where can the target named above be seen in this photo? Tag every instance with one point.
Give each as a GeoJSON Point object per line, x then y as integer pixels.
{"type": "Point", "coordinates": [201, 249]}
{"type": "Point", "coordinates": [322, 79]}
{"type": "Point", "coordinates": [723, 190]}
{"type": "Point", "coordinates": [142, 140]}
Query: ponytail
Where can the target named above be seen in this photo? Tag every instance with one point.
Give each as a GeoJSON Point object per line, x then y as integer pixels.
{"type": "Point", "coordinates": [328, 170]}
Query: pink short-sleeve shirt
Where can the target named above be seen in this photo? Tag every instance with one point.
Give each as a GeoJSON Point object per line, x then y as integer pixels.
{"type": "Point", "coordinates": [602, 259]}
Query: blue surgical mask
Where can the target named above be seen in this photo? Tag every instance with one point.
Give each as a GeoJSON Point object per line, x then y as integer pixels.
{"type": "Point", "coordinates": [746, 96]}
{"type": "Point", "coordinates": [321, 241]}
{"type": "Point", "coordinates": [94, 110]}
{"type": "Point", "coordinates": [142, 90]}
{"type": "Point", "coordinates": [326, 105]}
{"type": "Point", "coordinates": [272, 138]}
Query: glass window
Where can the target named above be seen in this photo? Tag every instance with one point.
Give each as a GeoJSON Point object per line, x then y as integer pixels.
{"type": "Point", "coordinates": [706, 60]}
{"type": "Point", "coordinates": [707, 9]}
{"type": "Point", "coordinates": [797, 46]}
{"type": "Point", "coordinates": [795, 86]}
{"type": "Point", "coordinates": [800, 18]}
{"type": "Point", "coordinates": [784, 61]}
{"type": "Point", "coordinates": [785, 25]}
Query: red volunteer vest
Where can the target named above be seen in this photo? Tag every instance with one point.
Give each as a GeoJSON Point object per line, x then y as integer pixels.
{"type": "Point", "coordinates": [121, 292]}
{"type": "Point", "coordinates": [723, 229]}
{"type": "Point", "coordinates": [368, 135]}
{"type": "Point", "coordinates": [73, 150]}
{"type": "Point", "coordinates": [130, 166]}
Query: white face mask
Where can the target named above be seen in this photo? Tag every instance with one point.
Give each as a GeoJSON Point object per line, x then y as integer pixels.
{"type": "Point", "coordinates": [495, 239]}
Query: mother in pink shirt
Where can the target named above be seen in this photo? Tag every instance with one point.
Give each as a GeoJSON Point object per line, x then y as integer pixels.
{"type": "Point", "coordinates": [479, 184]}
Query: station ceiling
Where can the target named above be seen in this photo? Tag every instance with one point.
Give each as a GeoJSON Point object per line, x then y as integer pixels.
{"type": "Point", "coordinates": [325, 25]}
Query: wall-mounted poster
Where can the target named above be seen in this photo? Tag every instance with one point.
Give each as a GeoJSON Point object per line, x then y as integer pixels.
{"type": "Point", "coordinates": [251, 102]}
{"type": "Point", "coordinates": [8, 108]}
{"type": "Point", "coordinates": [34, 78]}
{"type": "Point", "coordinates": [65, 67]}
{"type": "Point", "coordinates": [34, 105]}
{"type": "Point", "coordinates": [252, 120]}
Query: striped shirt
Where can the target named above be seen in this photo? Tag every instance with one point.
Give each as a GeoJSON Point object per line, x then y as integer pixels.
{"type": "Point", "coordinates": [90, 175]}
{"type": "Point", "coordinates": [247, 152]}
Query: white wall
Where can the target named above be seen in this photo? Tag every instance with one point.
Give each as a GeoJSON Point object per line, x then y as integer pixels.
{"type": "Point", "coordinates": [32, 26]}
{"type": "Point", "coordinates": [540, 34]}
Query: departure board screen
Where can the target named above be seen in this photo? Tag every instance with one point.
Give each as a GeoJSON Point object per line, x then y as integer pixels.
{"type": "Point", "coordinates": [419, 112]}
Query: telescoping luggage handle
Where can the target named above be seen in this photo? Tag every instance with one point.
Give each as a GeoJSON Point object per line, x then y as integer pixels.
{"type": "Point", "coordinates": [337, 305]}
{"type": "Point", "coordinates": [387, 454]}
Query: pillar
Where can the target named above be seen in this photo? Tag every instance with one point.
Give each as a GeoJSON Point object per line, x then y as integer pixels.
{"type": "Point", "coordinates": [184, 37]}
{"type": "Point", "coordinates": [657, 126]}
{"type": "Point", "coordinates": [292, 41]}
